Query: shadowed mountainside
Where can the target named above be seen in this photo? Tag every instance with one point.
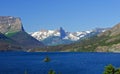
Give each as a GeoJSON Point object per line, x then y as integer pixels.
{"type": "Point", "coordinates": [26, 40]}
{"type": "Point", "coordinates": [7, 44]}
{"type": "Point", "coordinates": [13, 35]}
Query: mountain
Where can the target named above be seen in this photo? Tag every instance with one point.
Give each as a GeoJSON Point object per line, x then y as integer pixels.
{"type": "Point", "coordinates": [62, 33]}
{"type": "Point", "coordinates": [26, 40]}
{"type": "Point", "coordinates": [7, 44]}
{"type": "Point", "coordinates": [107, 41]}
{"type": "Point", "coordinates": [60, 36]}
{"type": "Point", "coordinates": [111, 40]}
{"type": "Point", "coordinates": [12, 29]}
{"type": "Point", "coordinates": [10, 24]}
{"type": "Point", "coordinates": [14, 38]}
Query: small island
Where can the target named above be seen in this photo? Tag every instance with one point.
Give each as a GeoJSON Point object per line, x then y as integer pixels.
{"type": "Point", "coordinates": [47, 59]}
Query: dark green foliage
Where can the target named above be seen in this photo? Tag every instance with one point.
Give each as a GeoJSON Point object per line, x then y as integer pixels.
{"type": "Point", "coordinates": [117, 71]}
{"type": "Point", "coordinates": [110, 69]}
{"type": "Point", "coordinates": [51, 72]}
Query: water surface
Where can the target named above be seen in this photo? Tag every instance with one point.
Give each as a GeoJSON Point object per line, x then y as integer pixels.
{"type": "Point", "coordinates": [61, 62]}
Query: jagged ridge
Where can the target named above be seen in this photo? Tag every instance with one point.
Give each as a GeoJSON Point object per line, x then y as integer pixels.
{"type": "Point", "coordinates": [60, 36]}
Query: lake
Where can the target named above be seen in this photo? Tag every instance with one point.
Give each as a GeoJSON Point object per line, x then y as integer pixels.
{"type": "Point", "coordinates": [61, 62]}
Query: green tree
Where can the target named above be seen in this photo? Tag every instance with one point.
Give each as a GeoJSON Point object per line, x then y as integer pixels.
{"type": "Point", "coordinates": [110, 69]}
{"type": "Point", "coordinates": [117, 71]}
{"type": "Point", "coordinates": [51, 72]}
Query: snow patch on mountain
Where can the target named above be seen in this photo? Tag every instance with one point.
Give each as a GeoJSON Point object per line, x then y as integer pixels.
{"type": "Point", "coordinates": [73, 36]}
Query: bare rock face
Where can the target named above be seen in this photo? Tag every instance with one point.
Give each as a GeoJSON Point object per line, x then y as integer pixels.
{"type": "Point", "coordinates": [10, 24]}
{"type": "Point", "coordinates": [115, 30]}
{"type": "Point", "coordinates": [112, 32]}
{"type": "Point", "coordinates": [13, 36]}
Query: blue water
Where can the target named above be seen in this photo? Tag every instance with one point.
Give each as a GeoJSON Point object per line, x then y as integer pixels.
{"type": "Point", "coordinates": [61, 62]}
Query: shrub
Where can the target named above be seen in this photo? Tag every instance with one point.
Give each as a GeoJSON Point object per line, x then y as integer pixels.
{"type": "Point", "coordinates": [51, 72]}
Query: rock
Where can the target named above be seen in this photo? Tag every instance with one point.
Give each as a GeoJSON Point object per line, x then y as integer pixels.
{"type": "Point", "coordinates": [13, 30]}
{"type": "Point", "coordinates": [10, 24]}
{"type": "Point", "coordinates": [62, 33]}
{"type": "Point", "coordinates": [115, 30]}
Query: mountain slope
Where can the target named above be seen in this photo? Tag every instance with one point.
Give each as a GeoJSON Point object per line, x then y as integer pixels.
{"type": "Point", "coordinates": [26, 40]}
{"type": "Point", "coordinates": [112, 41]}
{"type": "Point", "coordinates": [13, 30]}
{"type": "Point", "coordinates": [7, 44]}
{"type": "Point", "coordinates": [107, 41]}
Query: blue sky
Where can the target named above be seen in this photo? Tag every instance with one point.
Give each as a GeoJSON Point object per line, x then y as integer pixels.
{"type": "Point", "coordinates": [72, 15]}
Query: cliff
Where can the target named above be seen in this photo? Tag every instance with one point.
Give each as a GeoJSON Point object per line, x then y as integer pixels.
{"type": "Point", "coordinates": [12, 29]}
{"type": "Point", "coordinates": [10, 24]}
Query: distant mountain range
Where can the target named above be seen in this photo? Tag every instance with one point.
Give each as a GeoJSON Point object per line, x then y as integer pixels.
{"type": "Point", "coordinates": [60, 36]}
{"type": "Point", "coordinates": [14, 38]}
{"type": "Point", "coordinates": [107, 41]}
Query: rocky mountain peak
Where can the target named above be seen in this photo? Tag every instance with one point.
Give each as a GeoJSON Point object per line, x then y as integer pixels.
{"type": "Point", "coordinates": [62, 33]}
{"type": "Point", "coordinates": [10, 24]}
